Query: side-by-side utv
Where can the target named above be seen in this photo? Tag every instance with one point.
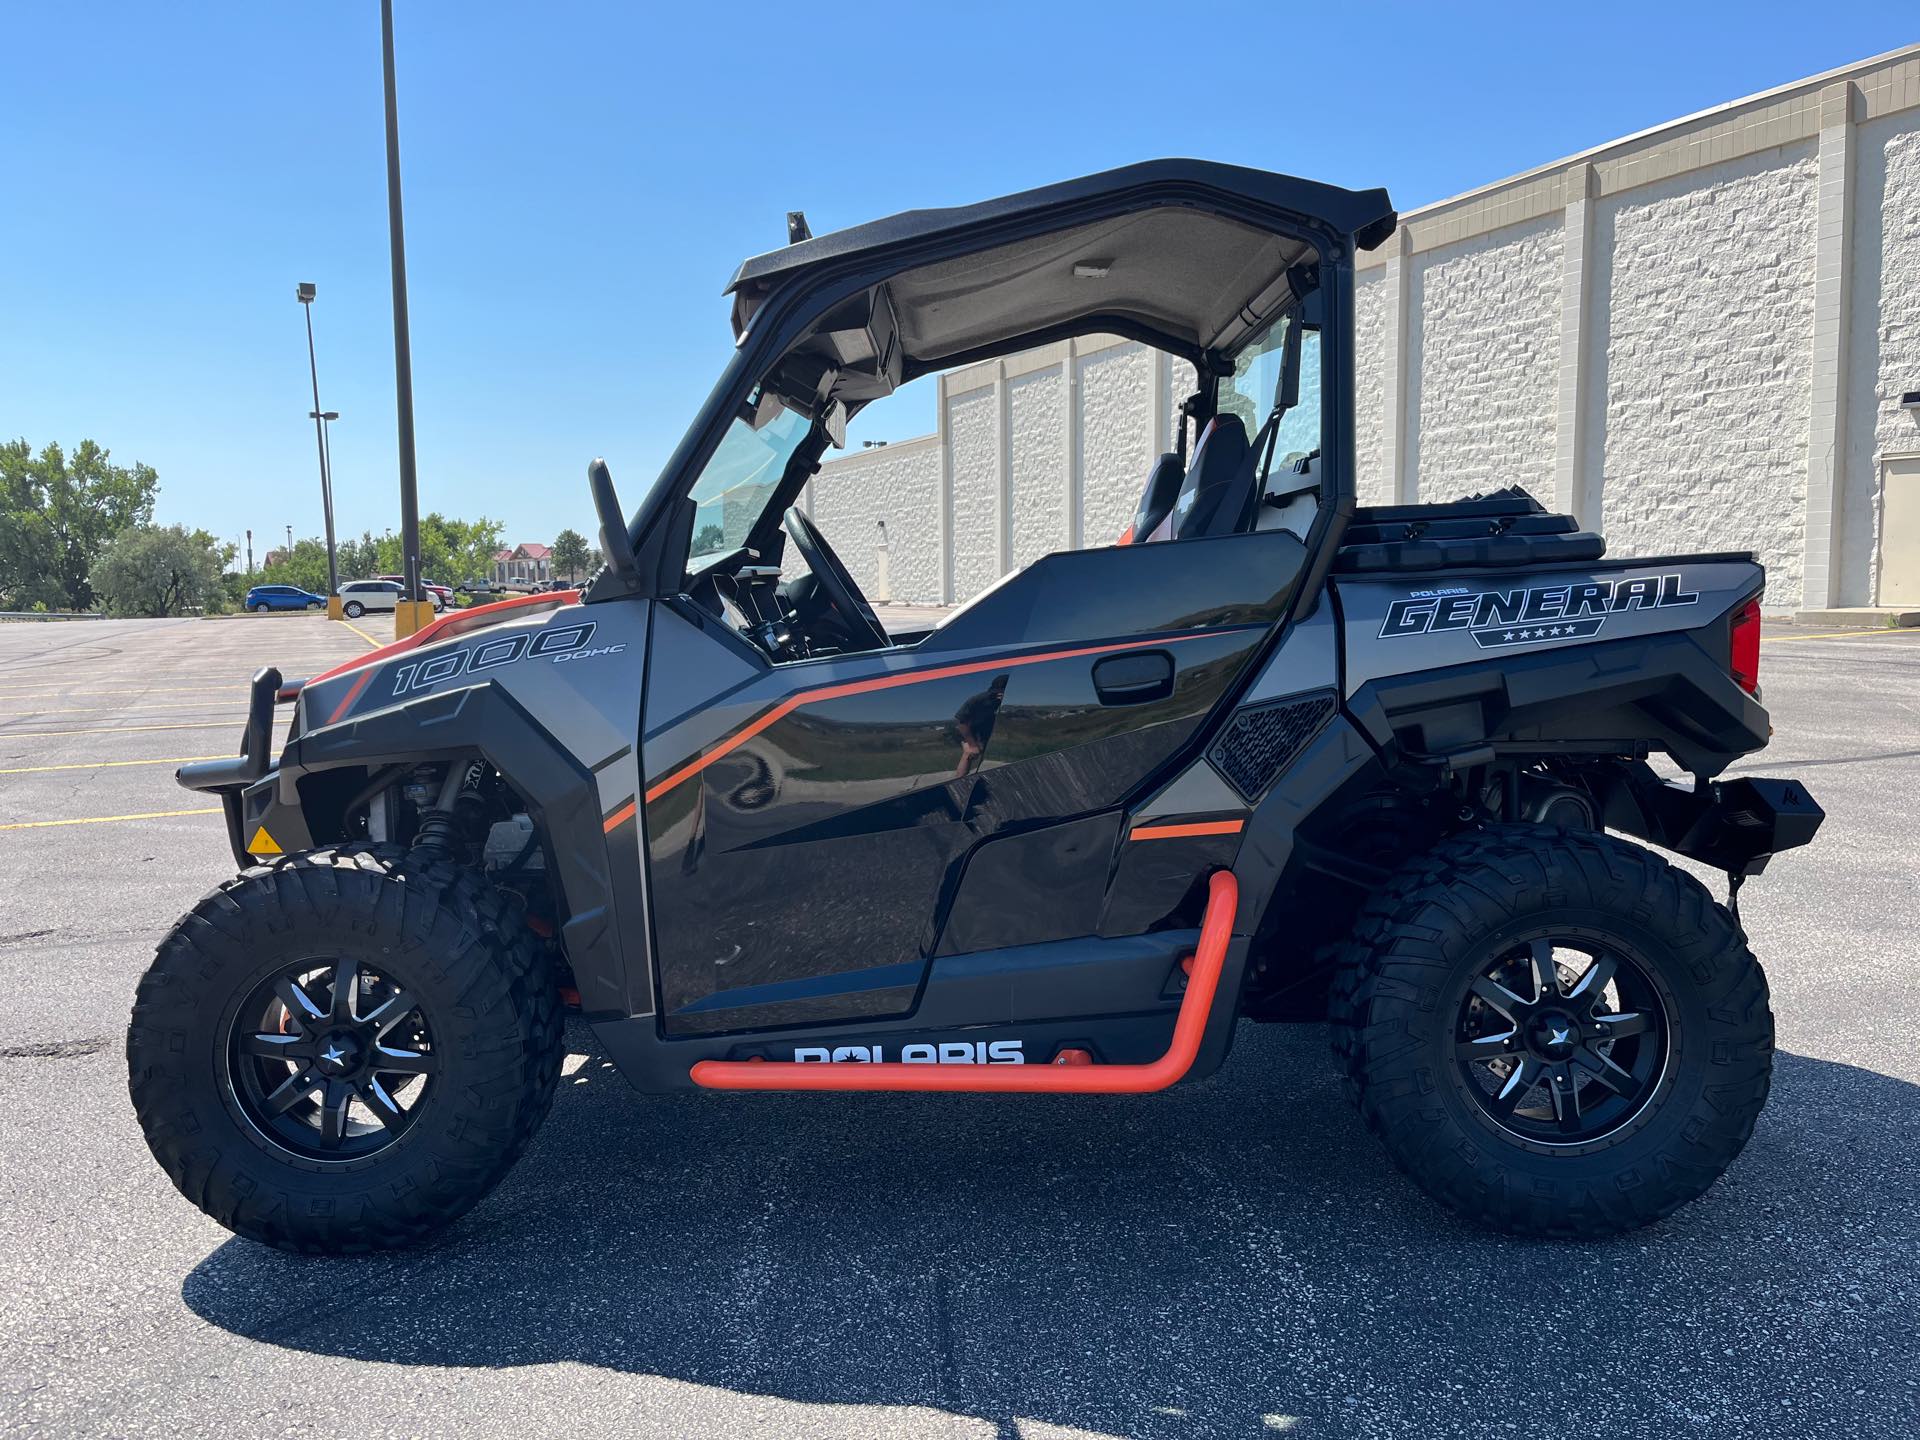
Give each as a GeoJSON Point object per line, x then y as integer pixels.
{"type": "Point", "coordinates": [1274, 756]}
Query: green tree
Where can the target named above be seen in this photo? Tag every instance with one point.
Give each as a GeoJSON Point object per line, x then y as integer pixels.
{"type": "Point", "coordinates": [57, 512]}
{"type": "Point", "coordinates": [570, 554]}
{"type": "Point", "coordinates": [161, 570]}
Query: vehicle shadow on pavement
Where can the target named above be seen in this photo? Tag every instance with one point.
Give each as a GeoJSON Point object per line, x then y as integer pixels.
{"type": "Point", "coordinates": [1234, 1258]}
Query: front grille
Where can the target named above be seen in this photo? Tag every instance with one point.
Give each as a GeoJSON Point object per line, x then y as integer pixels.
{"type": "Point", "coordinates": [1262, 740]}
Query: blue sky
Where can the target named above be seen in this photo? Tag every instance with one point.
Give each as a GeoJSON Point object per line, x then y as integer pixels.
{"type": "Point", "coordinates": [581, 179]}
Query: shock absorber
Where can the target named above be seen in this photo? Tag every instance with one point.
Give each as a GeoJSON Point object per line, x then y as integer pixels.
{"type": "Point", "coordinates": [433, 834]}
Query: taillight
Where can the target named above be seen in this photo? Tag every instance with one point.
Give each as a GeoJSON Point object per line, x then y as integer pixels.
{"type": "Point", "coordinates": [1744, 657]}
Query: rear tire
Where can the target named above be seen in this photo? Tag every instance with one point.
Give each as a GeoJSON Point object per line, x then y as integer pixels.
{"type": "Point", "coordinates": [262, 608]}
{"type": "Point", "coordinates": [1511, 1087]}
{"type": "Point", "coordinates": [353, 609]}
{"type": "Point", "coordinates": [481, 1037]}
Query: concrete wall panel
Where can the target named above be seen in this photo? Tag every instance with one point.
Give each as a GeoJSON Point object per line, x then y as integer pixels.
{"type": "Point", "coordinates": [1037, 405]}
{"type": "Point", "coordinates": [973, 436]}
{"type": "Point", "coordinates": [1484, 356]}
{"type": "Point", "coordinates": [1370, 313]}
{"type": "Point", "coordinates": [1884, 354]}
{"type": "Point", "coordinates": [1701, 352]}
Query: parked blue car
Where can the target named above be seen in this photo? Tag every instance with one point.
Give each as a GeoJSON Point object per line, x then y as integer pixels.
{"type": "Point", "coordinates": [262, 598]}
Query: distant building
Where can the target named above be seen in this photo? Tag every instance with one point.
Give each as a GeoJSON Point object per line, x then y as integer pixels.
{"type": "Point", "coordinates": [273, 558]}
{"type": "Point", "coordinates": [525, 565]}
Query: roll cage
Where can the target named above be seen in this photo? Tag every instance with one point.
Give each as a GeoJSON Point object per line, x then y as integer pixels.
{"type": "Point", "coordinates": [785, 298]}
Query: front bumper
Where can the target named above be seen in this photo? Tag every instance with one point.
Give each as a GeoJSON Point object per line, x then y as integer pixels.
{"type": "Point", "coordinates": [238, 781]}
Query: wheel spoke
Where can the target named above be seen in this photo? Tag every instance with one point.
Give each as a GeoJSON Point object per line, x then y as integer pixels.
{"type": "Point", "coordinates": [1619, 1081]}
{"type": "Point", "coordinates": [276, 1045]}
{"type": "Point", "coordinates": [1546, 976]}
{"type": "Point", "coordinates": [1517, 1084]}
{"type": "Point", "coordinates": [291, 1091]}
{"type": "Point", "coordinates": [1497, 995]}
{"type": "Point", "coordinates": [1566, 1098]}
{"type": "Point", "coordinates": [389, 1013]}
{"type": "Point", "coordinates": [388, 1061]}
{"type": "Point", "coordinates": [1593, 984]}
{"type": "Point", "coordinates": [1489, 1047]}
{"type": "Point", "coordinates": [1621, 1026]}
{"type": "Point", "coordinates": [333, 1113]}
{"type": "Point", "coordinates": [299, 1005]}
{"type": "Point", "coordinates": [375, 1097]}
{"type": "Point", "coordinates": [346, 981]}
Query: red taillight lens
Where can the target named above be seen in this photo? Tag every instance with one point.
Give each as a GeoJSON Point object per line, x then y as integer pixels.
{"type": "Point", "coordinates": [1744, 661]}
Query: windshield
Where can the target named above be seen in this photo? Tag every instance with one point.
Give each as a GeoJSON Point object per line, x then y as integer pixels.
{"type": "Point", "coordinates": [732, 492]}
{"type": "Point", "coordinates": [1251, 392]}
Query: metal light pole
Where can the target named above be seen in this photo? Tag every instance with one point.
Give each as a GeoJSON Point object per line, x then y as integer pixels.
{"type": "Point", "coordinates": [305, 293]}
{"type": "Point", "coordinates": [407, 616]}
{"type": "Point", "coordinates": [249, 554]}
{"type": "Point", "coordinates": [326, 419]}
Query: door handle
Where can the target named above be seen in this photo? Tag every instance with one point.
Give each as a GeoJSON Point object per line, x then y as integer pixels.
{"type": "Point", "coordinates": [1133, 678]}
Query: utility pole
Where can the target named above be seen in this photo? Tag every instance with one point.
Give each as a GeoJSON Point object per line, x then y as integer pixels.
{"type": "Point", "coordinates": [249, 554]}
{"type": "Point", "coordinates": [408, 615]}
{"type": "Point", "coordinates": [305, 293]}
{"type": "Point", "coordinates": [289, 542]}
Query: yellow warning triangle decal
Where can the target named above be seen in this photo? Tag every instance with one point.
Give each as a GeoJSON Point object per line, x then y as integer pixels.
{"type": "Point", "coordinates": [264, 844]}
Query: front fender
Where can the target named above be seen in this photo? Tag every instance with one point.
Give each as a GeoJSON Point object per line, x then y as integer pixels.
{"type": "Point", "coordinates": [601, 892]}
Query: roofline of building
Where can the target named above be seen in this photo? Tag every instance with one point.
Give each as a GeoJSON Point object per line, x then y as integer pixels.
{"type": "Point", "coordinates": [1784, 115]}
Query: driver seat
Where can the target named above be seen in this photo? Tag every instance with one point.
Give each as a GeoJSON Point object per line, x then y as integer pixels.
{"type": "Point", "coordinates": [1214, 498]}
{"type": "Point", "coordinates": [1156, 501]}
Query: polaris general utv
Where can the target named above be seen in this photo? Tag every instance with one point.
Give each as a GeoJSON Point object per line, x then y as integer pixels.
{"type": "Point", "coordinates": [1276, 757]}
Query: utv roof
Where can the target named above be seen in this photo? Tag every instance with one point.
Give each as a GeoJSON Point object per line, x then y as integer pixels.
{"type": "Point", "coordinates": [1170, 265]}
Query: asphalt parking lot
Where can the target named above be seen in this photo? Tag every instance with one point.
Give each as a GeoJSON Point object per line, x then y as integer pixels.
{"type": "Point", "coordinates": [1234, 1258]}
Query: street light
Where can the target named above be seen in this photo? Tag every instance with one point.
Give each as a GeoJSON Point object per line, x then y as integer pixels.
{"type": "Point", "coordinates": [411, 614]}
{"type": "Point", "coordinates": [305, 292]}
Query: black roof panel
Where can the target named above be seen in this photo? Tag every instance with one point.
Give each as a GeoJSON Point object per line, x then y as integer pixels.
{"type": "Point", "coordinates": [1365, 215]}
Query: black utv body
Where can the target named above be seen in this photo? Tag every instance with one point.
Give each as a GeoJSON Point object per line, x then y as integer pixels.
{"type": "Point", "coordinates": [1275, 756]}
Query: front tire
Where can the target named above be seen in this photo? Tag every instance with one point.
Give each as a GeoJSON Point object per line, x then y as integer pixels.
{"type": "Point", "coordinates": [1554, 1033]}
{"type": "Point", "coordinates": [328, 1057]}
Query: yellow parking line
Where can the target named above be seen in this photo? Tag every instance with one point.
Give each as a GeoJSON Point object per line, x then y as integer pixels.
{"type": "Point", "coordinates": [107, 764]}
{"type": "Point", "coordinates": [81, 687]}
{"type": "Point", "coordinates": [376, 644]}
{"type": "Point", "coordinates": [108, 819]}
{"type": "Point", "coordinates": [119, 729]}
{"type": "Point", "coordinates": [115, 709]}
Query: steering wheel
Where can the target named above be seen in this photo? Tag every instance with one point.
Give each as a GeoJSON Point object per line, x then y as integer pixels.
{"type": "Point", "coordinates": [842, 594]}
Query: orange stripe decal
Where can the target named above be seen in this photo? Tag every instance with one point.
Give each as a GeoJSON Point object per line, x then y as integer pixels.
{"type": "Point", "coordinates": [353, 694]}
{"type": "Point", "coordinates": [1216, 929]}
{"type": "Point", "coordinates": [888, 682]}
{"type": "Point", "coordinates": [1180, 832]}
{"type": "Point", "coordinates": [619, 817]}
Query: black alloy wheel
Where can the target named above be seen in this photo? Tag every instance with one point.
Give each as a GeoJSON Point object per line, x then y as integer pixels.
{"type": "Point", "coordinates": [1561, 1041]}
{"type": "Point", "coordinates": [331, 1060]}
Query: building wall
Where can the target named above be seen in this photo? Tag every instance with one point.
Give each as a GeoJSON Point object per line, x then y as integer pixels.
{"type": "Point", "coordinates": [1485, 354]}
{"type": "Point", "coordinates": [1692, 338]}
{"type": "Point", "coordinates": [1700, 326]}
{"type": "Point", "coordinates": [898, 485]}
{"type": "Point", "coordinates": [1884, 334]}
{"type": "Point", "coordinates": [1371, 314]}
